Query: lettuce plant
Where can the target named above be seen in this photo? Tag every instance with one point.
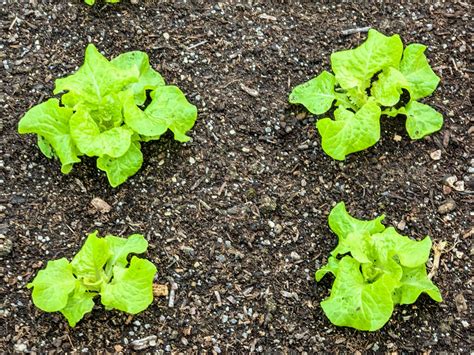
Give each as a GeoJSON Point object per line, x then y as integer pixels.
{"type": "Point", "coordinates": [100, 268]}
{"type": "Point", "coordinates": [375, 268]}
{"type": "Point", "coordinates": [377, 78]}
{"type": "Point", "coordinates": [106, 110]}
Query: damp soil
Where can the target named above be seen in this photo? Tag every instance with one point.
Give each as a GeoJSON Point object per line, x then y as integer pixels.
{"type": "Point", "coordinates": [236, 219]}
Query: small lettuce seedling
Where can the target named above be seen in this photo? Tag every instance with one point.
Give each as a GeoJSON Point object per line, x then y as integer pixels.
{"type": "Point", "coordinates": [105, 113]}
{"type": "Point", "coordinates": [100, 268]}
{"type": "Point", "coordinates": [377, 78]}
{"type": "Point", "coordinates": [375, 268]}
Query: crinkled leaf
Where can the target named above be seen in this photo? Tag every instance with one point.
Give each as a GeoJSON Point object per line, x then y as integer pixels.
{"type": "Point", "coordinates": [409, 252]}
{"type": "Point", "coordinates": [149, 79]}
{"type": "Point", "coordinates": [114, 142]}
{"type": "Point", "coordinates": [342, 99]}
{"type": "Point", "coordinates": [417, 71]}
{"type": "Point", "coordinates": [317, 94]}
{"type": "Point", "coordinates": [52, 286]}
{"type": "Point", "coordinates": [169, 109]}
{"type": "Point", "coordinates": [356, 303]}
{"type": "Point", "coordinates": [107, 113]}
{"type": "Point", "coordinates": [94, 80]}
{"type": "Point", "coordinates": [355, 67]}
{"type": "Point", "coordinates": [51, 121]}
{"type": "Point", "coordinates": [121, 247]}
{"type": "Point", "coordinates": [422, 120]}
{"type": "Point", "coordinates": [120, 169]}
{"type": "Point", "coordinates": [350, 132]}
{"type": "Point", "coordinates": [332, 266]}
{"type": "Point", "coordinates": [131, 288]}
{"type": "Point", "coordinates": [79, 303]}
{"type": "Point", "coordinates": [343, 224]}
{"type": "Point", "coordinates": [388, 88]}
{"type": "Point", "coordinates": [88, 263]}
{"type": "Point", "coordinates": [413, 283]}
{"type": "Point", "coordinates": [357, 97]}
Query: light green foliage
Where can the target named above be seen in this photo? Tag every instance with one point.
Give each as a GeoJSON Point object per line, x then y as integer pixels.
{"type": "Point", "coordinates": [92, 2]}
{"type": "Point", "coordinates": [376, 73]}
{"type": "Point", "coordinates": [104, 113]}
{"type": "Point", "coordinates": [375, 268]}
{"type": "Point", "coordinates": [102, 268]}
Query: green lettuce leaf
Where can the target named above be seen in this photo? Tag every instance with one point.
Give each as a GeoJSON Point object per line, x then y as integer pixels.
{"type": "Point", "coordinates": [332, 266]}
{"type": "Point", "coordinates": [350, 132]}
{"type": "Point", "coordinates": [94, 80]}
{"type": "Point", "coordinates": [169, 109]}
{"type": "Point", "coordinates": [131, 288]}
{"type": "Point", "coordinates": [413, 283]}
{"type": "Point", "coordinates": [51, 122]}
{"type": "Point", "coordinates": [422, 120]}
{"type": "Point", "coordinates": [317, 95]}
{"type": "Point", "coordinates": [52, 286]}
{"type": "Point", "coordinates": [342, 223]}
{"type": "Point", "coordinates": [409, 252]}
{"type": "Point", "coordinates": [107, 113]}
{"type": "Point", "coordinates": [121, 247]}
{"type": "Point", "coordinates": [89, 262]}
{"type": "Point", "coordinates": [79, 303]}
{"type": "Point", "coordinates": [149, 79]}
{"type": "Point", "coordinates": [354, 302]}
{"type": "Point", "coordinates": [355, 67]}
{"type": "Point", "coordinates": [422, 81]}
{"type": "Point", "coordinates": [45, 147]}
{"type": "Point", "coordinates": [388, 88]}
{"type": "Point", "coordinates": [114, 142]}
{"type": "Point", "coordinates": [120, 169]}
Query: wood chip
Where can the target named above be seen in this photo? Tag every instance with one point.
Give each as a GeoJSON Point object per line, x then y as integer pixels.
{"type": "Point", "coordinates": [438, 250]}
{"type": "Point", "coordinates": [160, 290]}
{"type": "Point", "coordinates": [351, 31]}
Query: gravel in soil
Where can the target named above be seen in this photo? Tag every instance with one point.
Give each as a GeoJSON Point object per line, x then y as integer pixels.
{"type": "Point", "coordinates": [237, 218]}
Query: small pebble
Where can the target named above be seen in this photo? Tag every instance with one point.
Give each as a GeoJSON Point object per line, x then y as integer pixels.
{"type": "Point", "coordinates": [436, 155]}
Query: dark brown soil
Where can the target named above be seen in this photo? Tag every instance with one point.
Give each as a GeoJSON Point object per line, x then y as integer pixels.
{"type": "Point", "coordinates": [243, 269]}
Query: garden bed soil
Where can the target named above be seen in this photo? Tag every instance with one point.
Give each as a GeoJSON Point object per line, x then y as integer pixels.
{"type": "Point", "coordinates": [237, 218]}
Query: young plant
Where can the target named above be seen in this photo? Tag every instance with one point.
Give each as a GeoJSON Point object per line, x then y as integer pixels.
{"type": "Point", "coordinates": [375, 268]}
{"type": "Point", "coordinates": [108, 108]}
{"type": "Point", "coordinates": [100, 268]}
{"type": "Point", "coordinates": [377, 78]}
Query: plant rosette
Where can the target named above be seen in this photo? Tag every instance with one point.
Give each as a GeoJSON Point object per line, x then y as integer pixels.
{"type": "Point", "coordinates": [377, 78]}
{"type": "Point", "coordinates": [375, 268]}
{"type": "Point", "coordinates": [100, 268]}
{"type": "Point", "coordinates": [107, 110]}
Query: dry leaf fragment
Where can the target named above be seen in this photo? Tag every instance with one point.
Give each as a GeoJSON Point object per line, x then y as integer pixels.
{"type": "Point", "coordinates": [250, 91]}
{"type": "Point", "coordinates": [100, 205]}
